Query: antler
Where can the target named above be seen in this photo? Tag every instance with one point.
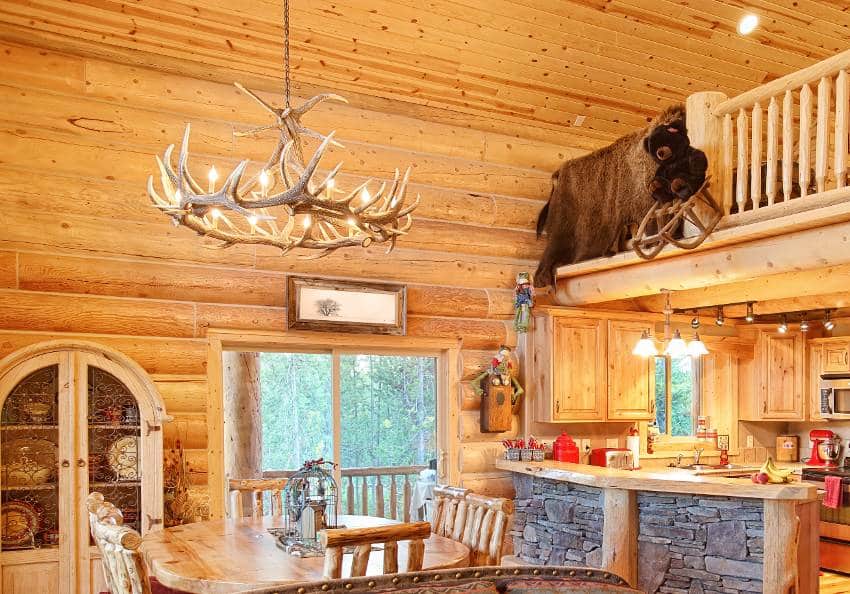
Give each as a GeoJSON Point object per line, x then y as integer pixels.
{"type": "Point", "coordinates": [272, 203]}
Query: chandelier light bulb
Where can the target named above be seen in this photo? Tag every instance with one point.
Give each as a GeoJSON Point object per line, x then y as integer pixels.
{"type": "Point", "coordinates": [215, 213]}
{"type": "Point", "coordinates": [212, 176]}
{"type": "Point", "coordinates": [352, 222]}
{"type": "Point", "coordinates": [253, 220]}
{"type": "Point", "coordinates": [676, 348]}
{"type": "Point", "coordinates": [264, 178]}
{"type": "Point", "coordinates": [645, 347]}
{"type": "Point", "coordinates": [827, 320]}
{"type": "Point", "coordinates": [696, 347]}
{"type": "Point", "coordinates": [307, 222]}
{"type": "Point", "coordinates": [783, 325]}
{"type": "Point", "coordinates": [748, 24]}
{"type": "Point", "coordinates": [750, 314]}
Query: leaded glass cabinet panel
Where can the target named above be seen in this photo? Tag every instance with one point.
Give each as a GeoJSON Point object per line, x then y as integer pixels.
{"type": "Point", "coordinates": [74, 418]}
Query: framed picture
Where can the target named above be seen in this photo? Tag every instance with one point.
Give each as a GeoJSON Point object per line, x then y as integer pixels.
{"type": "Point", "coordinates": [346, 306]}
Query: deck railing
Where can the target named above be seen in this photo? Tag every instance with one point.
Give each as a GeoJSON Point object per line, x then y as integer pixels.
{"type": "Point", "coordinates": [382, 491]}
{"type": "Point", "coordinates": [806, 113]}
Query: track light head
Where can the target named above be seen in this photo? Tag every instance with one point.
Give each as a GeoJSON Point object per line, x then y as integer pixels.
{"type": "Point", "coordinates": [750, 315]}
{"type": "Point", "coordinates": [827, 320]}
{"type": "Point", "coordinates": [720, 320]}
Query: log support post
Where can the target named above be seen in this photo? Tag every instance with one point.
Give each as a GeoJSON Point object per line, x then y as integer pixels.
{"type": "Point", "coordinates": [781, 540]}
{"type": "Point", "coordinates": [243, 436]}
{"type": "Point", "coordinates": [620, 534]}
{"type": "Point", "coordinates": [706, 133]}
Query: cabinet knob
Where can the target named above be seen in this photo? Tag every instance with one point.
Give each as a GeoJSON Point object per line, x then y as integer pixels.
{"type": "Point", "coordinates": [65, 464]}
{"type": "Point", "coordinates": [81, 463]}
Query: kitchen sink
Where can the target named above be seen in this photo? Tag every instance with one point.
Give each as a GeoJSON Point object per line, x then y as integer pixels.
{"type": "Point", "coordinates": [710, 467]}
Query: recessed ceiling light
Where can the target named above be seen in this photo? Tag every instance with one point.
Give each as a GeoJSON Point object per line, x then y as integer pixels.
{"type": "Point", "coordinates": [748, 24]}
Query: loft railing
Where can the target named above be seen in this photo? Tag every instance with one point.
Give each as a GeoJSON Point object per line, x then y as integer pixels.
{"type": "Point", "coordinates": [381, 491]}
{"type": "Point", "coordinates": [785, 140]}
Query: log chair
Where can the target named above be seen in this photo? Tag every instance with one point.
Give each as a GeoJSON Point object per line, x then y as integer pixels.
{"type": "Point", "coordinates": [334, 540]}
{"type": "Point", "coordinates": [255, 490]}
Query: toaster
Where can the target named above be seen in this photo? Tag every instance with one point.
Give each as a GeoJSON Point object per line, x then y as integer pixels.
{"type": "Point", "coordinates": [612, 458]}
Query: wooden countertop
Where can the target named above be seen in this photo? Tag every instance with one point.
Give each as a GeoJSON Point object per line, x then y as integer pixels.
{"type": "Point", "coordinates": [671, 480]}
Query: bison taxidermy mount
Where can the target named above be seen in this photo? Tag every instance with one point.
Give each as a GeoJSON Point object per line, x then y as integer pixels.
{"type": "Point", "coordinates": [596, 198]}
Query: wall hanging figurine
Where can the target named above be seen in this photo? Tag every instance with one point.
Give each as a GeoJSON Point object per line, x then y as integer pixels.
{"type": "Point", "coordinates": [523, 302]}
{"type": "Point", "coordinates": [500, 392]}
{"type": "Point", "coordinates": [595, 198]}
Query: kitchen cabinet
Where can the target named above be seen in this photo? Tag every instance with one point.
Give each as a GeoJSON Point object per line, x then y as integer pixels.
{"type": "Point", "coordinates": [570, 364]}
{"type": "Point", "coordinates": [780, 376]}
{"type": "Point", "coordinates": [71, 422]}
{"type": "Point", "coordinates": [813, 381]}
{"type": "Point", "coordinates": [836, 357]}
{"type": "Point", "coordinates": [631, 381]}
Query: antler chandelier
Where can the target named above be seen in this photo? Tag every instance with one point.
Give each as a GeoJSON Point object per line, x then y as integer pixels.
{"type": "Point", "coordinates": [284, 204]}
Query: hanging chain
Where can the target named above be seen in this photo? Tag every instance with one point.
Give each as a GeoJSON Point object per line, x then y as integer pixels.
{"type": "Point", "coordinates": [286, 90]}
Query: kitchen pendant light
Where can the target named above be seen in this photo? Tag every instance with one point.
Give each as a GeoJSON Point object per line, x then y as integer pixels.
{"type": "Point", "coordinates": [696, 347]}
{"type": "Point", "coordinates": [676, 347]}
{"type": "Point", "coordinates": [645, 347]}
{"type": "Point", "coordinates": [287, 204]}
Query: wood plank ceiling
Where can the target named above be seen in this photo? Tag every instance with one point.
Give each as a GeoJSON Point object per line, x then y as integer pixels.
{"type": "Point", "coordinates": [527, 68]}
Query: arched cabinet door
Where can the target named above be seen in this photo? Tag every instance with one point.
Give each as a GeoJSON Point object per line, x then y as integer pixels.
{"type": "Point", "coordinates": [85, 419]}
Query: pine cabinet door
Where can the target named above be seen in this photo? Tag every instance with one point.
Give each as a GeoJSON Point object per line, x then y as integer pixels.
{"type": "Point", "coordinates": [578, 377]}
{"type": "Point", "coordinates": [813, 382]}
{"type": "Point", "coordinates": [631, 383]}
{"type": "Point", "coordinates": [836, 358]}
{"type": "Point", "coordinates": [782, 376]}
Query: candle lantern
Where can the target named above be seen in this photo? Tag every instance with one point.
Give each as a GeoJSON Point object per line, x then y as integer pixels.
{"type": "Point", "coordinates": [310, 506]}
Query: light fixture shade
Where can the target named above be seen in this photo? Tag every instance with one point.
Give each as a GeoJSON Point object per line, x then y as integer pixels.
{"type": "Point", "coordinates": [645, 347]}
{"type": "Point", "coordinates": [696, 348]}
{"type": "Point", "coordinates": [676, 347]}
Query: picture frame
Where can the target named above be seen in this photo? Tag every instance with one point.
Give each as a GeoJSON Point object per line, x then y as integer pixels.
{"type": "Point", "coordinates": [325, 305]}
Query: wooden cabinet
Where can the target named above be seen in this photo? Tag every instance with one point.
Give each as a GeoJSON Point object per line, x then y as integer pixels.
{"type": "Point", "coordinates": [836, 357]}
{"type": "Point", "coordinates": [571, 364]}
{"type": "Point", "coordinates": [72, 421]}
{"type": "Point", "coordinates": [781, 376]}
{"type": "Point", "coordinates": [813, 380]}
{"type": "Point", "coordinates": [631, 381]}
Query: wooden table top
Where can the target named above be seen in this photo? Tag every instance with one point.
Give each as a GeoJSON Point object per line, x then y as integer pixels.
{"type": "Point", "coordinates": [223, 556]}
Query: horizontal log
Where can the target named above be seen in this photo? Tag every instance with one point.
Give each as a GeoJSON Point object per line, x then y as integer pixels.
{"type": "Point", "coordinates": [196, 466]}
{"type": "Point", "coordinates": [473, 362]}
{"type": "Point", "coordinates": [155, 355]}
{"type": "Point", "coordinates": [479, 457]}
{"type": "Point", "coordinates": [183, 394]}
{"type": "Point", "coordinates": [342, 537]}
{"type": "Point", "coordinates": [189, 429]}
{"type": "Point", "coordinates": [238, 317]}
{"type": "Point", "coordinates": [8, 270]}
{"type": "Point", "coordinates": [489, 484]}
{"type": "Point", "coordinates": [476, 334]}
{"type": "Point", "coordinates": [826, 246]}
{"type": "Point", "coordinates": [469, 400]}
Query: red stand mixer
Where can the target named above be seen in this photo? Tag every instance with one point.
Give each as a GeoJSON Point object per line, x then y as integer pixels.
{"type": "Point", "coordinates": [826, 448]}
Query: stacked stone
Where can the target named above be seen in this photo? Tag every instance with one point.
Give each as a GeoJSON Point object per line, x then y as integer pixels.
{"type": "Point", "coordinates": [699, 544]}
{"type": "Point", "coordinates": [557, 523]}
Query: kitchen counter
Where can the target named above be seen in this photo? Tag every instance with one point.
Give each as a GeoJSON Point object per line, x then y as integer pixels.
{"type": "Point", "coordinates": [667, 530]}
{"type": "Point", "coordinates": [669, 480]}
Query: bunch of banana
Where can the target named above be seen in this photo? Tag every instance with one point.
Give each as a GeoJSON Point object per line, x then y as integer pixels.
{"type": "Point", "coordinates": [769, 473]}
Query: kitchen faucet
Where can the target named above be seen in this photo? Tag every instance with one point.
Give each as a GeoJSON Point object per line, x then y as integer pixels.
{"type": "Point", "coordinates": [679, 459]}
{"type": "Point", "coordinates": [697, 454]}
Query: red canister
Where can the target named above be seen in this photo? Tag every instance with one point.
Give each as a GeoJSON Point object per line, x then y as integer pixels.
{"type": "Point", "coordinates": [564, 449]}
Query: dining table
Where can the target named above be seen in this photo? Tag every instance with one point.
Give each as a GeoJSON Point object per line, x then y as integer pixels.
{"type": "Point", "coordinates": [232, 555]}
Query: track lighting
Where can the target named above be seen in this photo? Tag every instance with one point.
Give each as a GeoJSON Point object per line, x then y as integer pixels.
{"type": "Point", "coordinates": [804, 324]}
{"type": "Point", "coordinates": [783, 325]}
{"type": "Point", "coordinates": [695, 321]}
{"type": "Point", "coordinates": [720, 319]}
{"type": "Point", "coordinates": [750, 315]}
{"type": "Point", "coordinates": [827, 320]}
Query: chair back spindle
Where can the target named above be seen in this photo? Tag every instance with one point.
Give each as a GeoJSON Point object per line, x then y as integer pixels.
{"type": "Point", "coordinates": [334, 540]}
{"type": "Point", "coordinates": [247, 497]}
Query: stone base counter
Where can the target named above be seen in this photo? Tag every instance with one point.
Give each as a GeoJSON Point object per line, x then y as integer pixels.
{"type": "Point", "coordinates": [671, 533]}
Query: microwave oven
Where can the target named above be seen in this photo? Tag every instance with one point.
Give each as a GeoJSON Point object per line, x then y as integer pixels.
{"type": "Point", "coordinates": [835, 397]}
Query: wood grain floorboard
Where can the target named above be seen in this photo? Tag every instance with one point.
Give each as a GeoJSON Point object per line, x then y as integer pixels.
{"type": "Point", "coordinates": [834, 583]}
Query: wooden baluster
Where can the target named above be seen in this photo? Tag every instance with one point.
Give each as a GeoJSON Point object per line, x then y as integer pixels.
{"type": "Point", "coordinates": [841, 121]}
{"type": "Point", "coordinates": [728, 164]}
{"type": "Point", "coordinates": [755, 157]}
{"type": "Point", "coordinates": [393, 499]}
{"type": "Point", "coordinates": [743, 161]}
{"type": "Point", "coordinates": [361, 560]}
{"type": "Point", "coordinates": [805, 139]}
{"type": "Point", "coordinates": [258, 504]}
{"type": "Point", "coordinates": [349, 495]}
{"type": "Point", "coordinates": [772, 150]}
{"type": "Point", "coordinates": [405, 499]}
{"type": "Point", "coordinates": [379, 497]}
{"type": "Point", "coordinates": [236, 505]}
{"type": "Point", "coordinates": [390, 557]}
{"type": "Point", "coordinates": [822, 132]}
{"type": "Point", "coordinates": [364, 497]}
{"type": "Point", "coordinates": [415, 555]}
{"type": "Point", "coordinates": [787, 145]}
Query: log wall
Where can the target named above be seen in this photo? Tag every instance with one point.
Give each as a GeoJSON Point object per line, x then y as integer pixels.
{"type": "Point", "coordinates": [83, 253]}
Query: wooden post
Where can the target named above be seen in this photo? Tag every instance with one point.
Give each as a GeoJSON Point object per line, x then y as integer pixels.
{"type": "Point", "coordinates": [243, 437]}
{"type": "Point", "coordinates": [706, 133]}
{"type": "Point", "coordinates": [620, 534]}
{"type": "Point", "coordinates": [781, 538]}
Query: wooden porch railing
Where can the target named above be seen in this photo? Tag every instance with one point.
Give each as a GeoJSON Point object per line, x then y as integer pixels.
{"type": "Point", "coordinates": [806, 113]}
{"type": "Point", "coordinates": [382, 491]}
